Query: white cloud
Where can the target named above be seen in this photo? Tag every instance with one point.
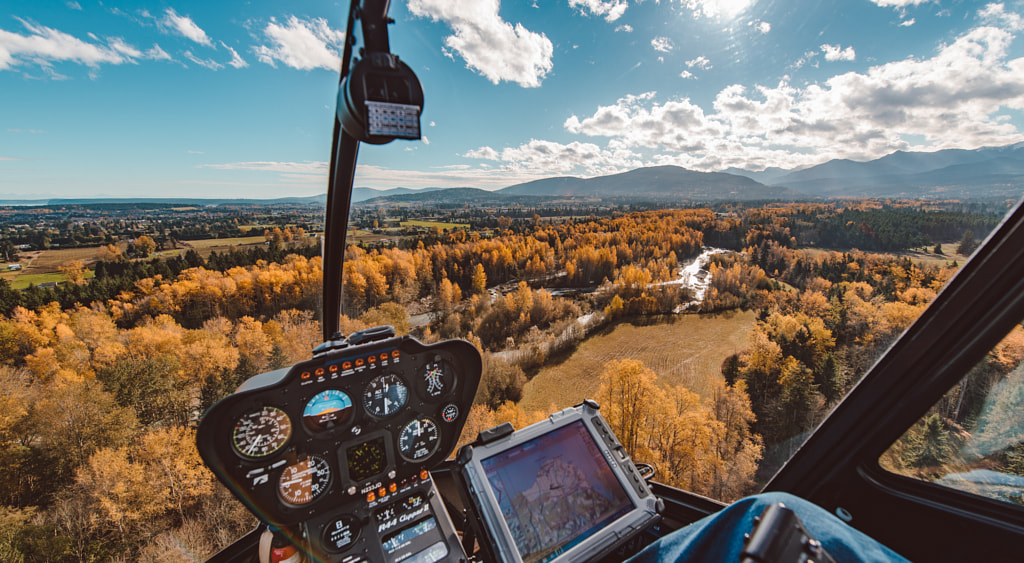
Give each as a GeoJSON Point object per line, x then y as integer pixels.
{"type": "Point", "coordinates": [610, 9]}
{"type": "Point", "coordinates": [763, 27]}
{"type": "Point", "coordinates": [808, 57]}
{"type": "Point", "coordinates": [686, 74]}
{"type": "Point", "coordinates": [208, 63]}
{"type": "Point", "coordinates": [700, 62]}
{"type": "Point", "coordinates": [543, 158]}
{"type": "Point", "coordinates": [302, 44]}
{"type": "Point", "coordinates": [718, 9]}
{"type": "Point", "coordinates": [625, 27]}
{"type": "Point", "coordinates": [837, 53]}
{"type": "Point", "coordinates": [898, 3]}
{"type": "Point", "coordinates": [44, 46]}
{"type": "Point", "coordinates": [185, 27]}
{"type": "Point", "coordinates": [996, 14]}
{"type": "Point", "coordinates": [908, 23]}
{"type": "Point", "coordinates": [74, 5]}
{"type": "Point", "coordinates": [157, 54]}
{"type": "Point", "coordinates": [662, 44]}
{"type": "Point", "coordinates": [236, 60]}
{"type": "Point", "coordinates": [486, 153]}
{"type": "Point", "coordinates": [490, 45]}
{"type": "Point", "coordinates": [957, 98]}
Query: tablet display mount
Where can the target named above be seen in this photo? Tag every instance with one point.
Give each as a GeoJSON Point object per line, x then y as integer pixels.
{"type": "Point", "coordinates": [560, 490]}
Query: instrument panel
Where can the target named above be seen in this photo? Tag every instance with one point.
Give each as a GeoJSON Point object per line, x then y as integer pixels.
{"type": "Point", "coordinates": [335, 439]}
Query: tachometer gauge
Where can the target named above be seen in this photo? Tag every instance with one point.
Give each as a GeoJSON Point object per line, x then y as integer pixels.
{"type": "Point", "coordinates": [304, 481]}
{"type": "Point", "coordinates": [327, 410]}
{"type": "Point", "coordinates": [384, 395]}
{"type": "Point", "coordinates": [262, 432]}
{"type": "Point", "coordinates": [419, 439]}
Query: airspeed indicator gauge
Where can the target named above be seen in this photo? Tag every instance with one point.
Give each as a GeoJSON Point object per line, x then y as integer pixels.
{"type": "Point", "coordinates": [419, 439]}
{"type": "Point", "coordinates": [262, 432]}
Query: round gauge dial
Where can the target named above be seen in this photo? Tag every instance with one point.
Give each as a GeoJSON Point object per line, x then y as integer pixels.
{"type": "Point", "coordinates": [304, 481]}
{"type": "Point", "coordinates": [384, 395]}
{"type": "Point", "coordinates": [261, 432]}
{"type": "Point", "coordinates": [419, 439]}
{"type": "Point", "coordinates": [327, 410]}
{"type": "Point", "coordinates": [436, 379]}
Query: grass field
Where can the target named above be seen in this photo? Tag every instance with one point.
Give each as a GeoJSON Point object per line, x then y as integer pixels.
{"type": "Point", "coordinates": [225, 242]}
{"type": "Point", "coordinates": [438, 224]}
{"type": "Point", "coordinates": [688, 351]}
{"type": "Point", "coordinates": [921, 257]}
{"type": "Point", "coordinates": [209, 245]}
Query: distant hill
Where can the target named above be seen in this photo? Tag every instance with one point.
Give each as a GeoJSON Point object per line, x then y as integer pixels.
{"type": "Point", "coordinates": [985, 172]}
{"type": "Point", "coordinates": [358, 194]}
{"type": "Point", "coordinates": [657, 182]}
{"type": "Point", "coordinates": [363, 194]}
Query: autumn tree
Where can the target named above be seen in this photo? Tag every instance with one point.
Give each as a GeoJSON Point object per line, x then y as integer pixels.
{"type": "Point", "coordinates": [74, 272]}
{"type": "Point", "coordinates": [479, 280]}
{"type": "Point", "coordinates": [144, 246]}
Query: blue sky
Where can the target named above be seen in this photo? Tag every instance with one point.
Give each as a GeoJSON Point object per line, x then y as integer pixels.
{"type": "Point", "coordinates": [236, 99]}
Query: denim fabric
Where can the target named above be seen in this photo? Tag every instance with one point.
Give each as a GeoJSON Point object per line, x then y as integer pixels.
{"type": "Point", "coordinates": [719, 538]}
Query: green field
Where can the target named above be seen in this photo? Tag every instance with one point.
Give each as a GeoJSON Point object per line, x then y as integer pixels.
{"type": "Point", "coordinates": [25, 280]}
{"type": "Point", "coordinates": [438, 224]}
{"type": "Point", "coordinates": [687, 351]}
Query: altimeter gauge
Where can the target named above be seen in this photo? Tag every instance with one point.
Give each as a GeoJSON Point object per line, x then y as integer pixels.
{"type": "Point", "coordinates": [304, 481]}
{"type": "Point", "coordinates": [419, 439]}
{"type": "Point", "coordinates": [384, 395]}
{"type": "Point", "coordinates": [262, 432]}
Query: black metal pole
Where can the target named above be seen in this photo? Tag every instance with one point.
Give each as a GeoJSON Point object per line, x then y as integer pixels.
{"type": "Point", "coordinates": [344, 150]}
{"type": "Point", "coordinates": [339, 197]}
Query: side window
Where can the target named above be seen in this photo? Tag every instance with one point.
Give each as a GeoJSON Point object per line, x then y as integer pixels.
{"type": "Point", "coordinates": [973, 438]}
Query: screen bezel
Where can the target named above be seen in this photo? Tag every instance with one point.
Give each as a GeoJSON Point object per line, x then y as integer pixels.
{"type": "Point", "coordinates": [492, 522]}
{"type": "Point", "coordinates": [599, 465]}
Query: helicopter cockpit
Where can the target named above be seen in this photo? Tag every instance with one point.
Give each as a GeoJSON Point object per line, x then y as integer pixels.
{"type": "Point", "coordinates": [351, 455]}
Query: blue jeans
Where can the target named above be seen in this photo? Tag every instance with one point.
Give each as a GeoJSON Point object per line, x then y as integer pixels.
{"type": "Point", "coordinates": [719, 538]}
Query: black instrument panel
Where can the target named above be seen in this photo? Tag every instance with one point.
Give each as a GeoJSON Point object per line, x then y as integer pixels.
{"type": "Point", "coordinates": [341, 432]}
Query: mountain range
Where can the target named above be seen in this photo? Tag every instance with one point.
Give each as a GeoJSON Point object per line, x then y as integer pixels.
{"type": "Point", "coordinates": [991, 172]}
{"type": "Point", "coordinates": [985, 172]}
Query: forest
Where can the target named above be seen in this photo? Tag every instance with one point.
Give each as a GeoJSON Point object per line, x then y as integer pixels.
{"type": "Point", "coordinates": [104, 380]}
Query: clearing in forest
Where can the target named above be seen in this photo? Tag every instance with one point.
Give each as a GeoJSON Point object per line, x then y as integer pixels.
{"type": "Point", "coordinates": [688, 351]}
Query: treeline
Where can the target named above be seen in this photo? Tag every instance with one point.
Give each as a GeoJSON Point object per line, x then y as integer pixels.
{"type": "Point", "coordinates": [114, 277]}
{"type": "Point", "coordinates": [866, 225]}
{"type": "Point", "coordinates": [823, 318]}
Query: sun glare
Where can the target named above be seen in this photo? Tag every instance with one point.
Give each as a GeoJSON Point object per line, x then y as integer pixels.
{"type": "Point", "coordinates": [721, 9]}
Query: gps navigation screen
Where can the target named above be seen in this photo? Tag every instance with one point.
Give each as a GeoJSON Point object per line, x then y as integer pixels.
{"type": "Point", "coordinates": [555, 491]}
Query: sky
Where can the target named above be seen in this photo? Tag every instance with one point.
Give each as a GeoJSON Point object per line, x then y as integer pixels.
{"type": "Point", "coordinates": [173, 98]}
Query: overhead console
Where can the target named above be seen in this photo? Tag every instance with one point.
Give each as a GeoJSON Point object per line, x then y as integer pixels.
{"type": "Point", "coordinates": [338, 448]}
